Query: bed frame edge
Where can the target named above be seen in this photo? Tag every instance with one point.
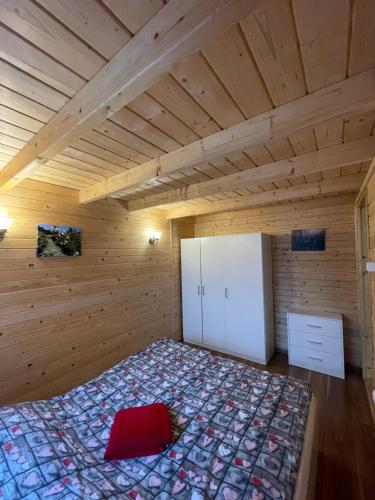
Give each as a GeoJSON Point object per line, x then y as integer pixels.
{"type": "Point", "coordinates": [306, 478]}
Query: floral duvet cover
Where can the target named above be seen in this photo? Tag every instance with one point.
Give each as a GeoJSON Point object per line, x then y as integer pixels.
{"type": "Point", "coordinates": [238, 432]}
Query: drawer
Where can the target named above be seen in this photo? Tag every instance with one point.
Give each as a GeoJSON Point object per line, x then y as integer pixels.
{"type": "Point", "coordinates": [315, 325]}
{"type": "Point", "coordinates": [319, 361]}
{"type": "Point", "coordinates": [316, 342]}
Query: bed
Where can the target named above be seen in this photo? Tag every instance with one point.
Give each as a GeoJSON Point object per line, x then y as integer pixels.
{"type": "Point", "coordinates": [238, 433]}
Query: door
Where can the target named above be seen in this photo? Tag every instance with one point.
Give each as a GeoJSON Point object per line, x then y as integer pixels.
{"type": "Point", "coordinates": [191, 290]}
{"type": "Point", "coordinates": [244, 305]}
{"type": "Point", "coordinates": [213, 292]}
{"type": "Point", "coordinates": [364, 291]}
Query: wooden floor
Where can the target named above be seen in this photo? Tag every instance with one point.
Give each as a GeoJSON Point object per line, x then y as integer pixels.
{"type": "Point", "coordinates": [346, 461]}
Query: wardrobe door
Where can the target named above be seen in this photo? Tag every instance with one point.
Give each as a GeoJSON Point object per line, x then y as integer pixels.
{"type": "Point", "coordinates": [191, 290]}
{"type": "Point", "coordinates": [243, 283]}
{"type": "Point", "coordinates": [213, 293]}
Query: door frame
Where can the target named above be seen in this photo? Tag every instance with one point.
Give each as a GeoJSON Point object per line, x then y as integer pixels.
{"type": "Point", "coordinates": [364, 288]}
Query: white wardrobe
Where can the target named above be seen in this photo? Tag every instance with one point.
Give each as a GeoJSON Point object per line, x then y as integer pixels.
{"type": "Point", "coordinates": [227, 294]}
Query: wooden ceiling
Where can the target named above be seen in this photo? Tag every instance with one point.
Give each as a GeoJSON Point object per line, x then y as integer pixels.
{"type": "Point", "coordinates": [284, 57]}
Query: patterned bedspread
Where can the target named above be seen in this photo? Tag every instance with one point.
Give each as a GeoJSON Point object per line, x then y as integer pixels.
{"type": "Point", "coordinates": [238, 432]}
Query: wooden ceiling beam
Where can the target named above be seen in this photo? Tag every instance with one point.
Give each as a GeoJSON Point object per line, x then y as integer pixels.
{"type": "Point", "coordinates": [179, 29]}
{"type": "Point", "coordinates": [351, 96]}
{"type": "Point", "coordinates": [336, 156]}
{"type": "Point", "coordinates": [347, 183]}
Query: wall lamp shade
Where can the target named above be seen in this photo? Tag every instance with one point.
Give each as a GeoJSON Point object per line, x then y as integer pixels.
{"type": "Point", "coordinates": [153, 237]}
{"type": "Point", "coordinates": [4, 225]}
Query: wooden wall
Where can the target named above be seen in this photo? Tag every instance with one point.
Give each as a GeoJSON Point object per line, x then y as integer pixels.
{"type": "Point", "coordinates": [371, 240]}
{"type": "Point", "coordinates": [62, 321]}
{"type": "Point", "coordinates": [316, 280]}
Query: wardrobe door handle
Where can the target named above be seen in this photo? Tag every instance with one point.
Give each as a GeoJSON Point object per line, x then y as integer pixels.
{"type": "Point", "coordinates": [226, 293]}
{"type": "Point", "coordinates": [203, 290]}
{"type": "Point", "coordinates": [199, 290]}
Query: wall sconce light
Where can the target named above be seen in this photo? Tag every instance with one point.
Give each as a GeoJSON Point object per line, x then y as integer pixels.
{"type": "Point", "coordinates": [4, 226]}
{"type": "Point", "coordinates": [153, 237]}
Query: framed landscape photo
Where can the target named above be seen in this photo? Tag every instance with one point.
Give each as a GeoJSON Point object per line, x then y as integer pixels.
{"type": "Point", "coordinates": [308, 240]}
{"type": "Point", "coordinates": [58, 241]}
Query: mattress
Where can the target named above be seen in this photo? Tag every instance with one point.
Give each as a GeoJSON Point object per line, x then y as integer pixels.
{"type": "Point", "coordinates": [238, 432]}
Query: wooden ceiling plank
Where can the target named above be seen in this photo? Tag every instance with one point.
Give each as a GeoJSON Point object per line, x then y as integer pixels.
{"type": "Point", "coordinates": [35, 25]}
{"type": "Point", "coordinates": [328, 159]}
{"type": "Point", "coordinates": [16, 132]}
{"type": "Point", "coordinates": [11, 141]}
{"type": "Point", "coordinates": [86, 174]}
{"type": "Point", "coordinates": [240, 160]}
{"type": "Point", "coordinates": [91, 159]}
{"type": "Point", "coordinates": [152, 111]}
{"type": "Point", "coordinates": [225, 166]}
{"type": "Point", "coordinates": [107, 143]}
{"type": "Point", "coordinates": [19, 119]}
{"type": "Point", "coordinates": [209, 170]}
{"type": "Point", "coordinates": [75, 158]}
{"type": "Point", "coordinates": [170, 94]}
{"type": "Point", "coordinates": [101, 153]}
{"type": "Point", "coordinates": [362, 53]}
{"type": "Point", "coordinates": [280, 149]}
{"type": "Point", "coordinates": [354, 95]}
{"type": "Point", "coordinates": [329, 132]}
{"type": "Point", "coordinates": [347, 183]}
{"type": "Point", "coordinates": [179, 29]}
{"type": "Point", "coordinates": [230, 58]}
{"type": "Point", "coordinates": [332, 173]}
{"type": "Point", "coordinates": [323, 32]}
{"type": "Point", "coordinates": [141, 127]}
{"type": "Point", "coordinates": [144, 149]}
{"type": "Point", "coordinates": [45, 174]}
{"type": "Point", "coordinates": [297, 181]}
{"type": "Point", "coordinates": [351, 169]}
{"type": "Point", "coordinates": [259, 154]}
{"type": "Point", "coordinates": [303, 141]}
{"type": "Point", "coordinates": [132, 14]}
{"type": "Point", "coordinates": [196, 76]}
{"type": "Point", "coordinates": [18, 52]}
{"type": "Point", "coordinates": [28, 86]}
{"type": "Point", "coordinates": [24, 105]}
{"type": "Point", "coordinates": [90, 22]}
{"type": "Point", "coordinates": [357, 127]}
{"type": "Point", "coordinates": [272, 38]}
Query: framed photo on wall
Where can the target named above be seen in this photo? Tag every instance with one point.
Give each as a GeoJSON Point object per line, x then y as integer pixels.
{"type": "Point", "coordinates": [58, 241]}
{"type": "Point", "coordinates": [308, 240]}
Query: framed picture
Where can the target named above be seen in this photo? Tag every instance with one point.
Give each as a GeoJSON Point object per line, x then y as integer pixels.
{"type": "Point", "coordinates": [58, 241]}
{"type": "Point", "coordinates": [308, 240]}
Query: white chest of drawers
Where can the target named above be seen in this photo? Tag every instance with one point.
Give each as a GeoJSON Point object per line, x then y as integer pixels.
{"type": "Point", "coordinates": [315, 342]}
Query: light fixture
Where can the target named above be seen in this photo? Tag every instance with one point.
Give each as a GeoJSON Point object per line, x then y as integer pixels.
{"type": "Point", "coordinates": [153, 237]}
{"type": "Point", "coordinates": [4, 225]}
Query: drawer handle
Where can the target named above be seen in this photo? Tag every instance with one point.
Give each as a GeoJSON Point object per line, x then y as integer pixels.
{"type": "Point", "coordinates": [314, 342]}
{"type": "Point", "coordinates": [314, 326]}
{"type": "Point", "coordinates": [314, 358]}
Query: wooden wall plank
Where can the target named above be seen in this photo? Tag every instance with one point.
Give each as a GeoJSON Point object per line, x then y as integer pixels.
{"type": "Point", "coordinates": [64, 320]}
{"type": "Point", "coordinates": [318, 281]}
